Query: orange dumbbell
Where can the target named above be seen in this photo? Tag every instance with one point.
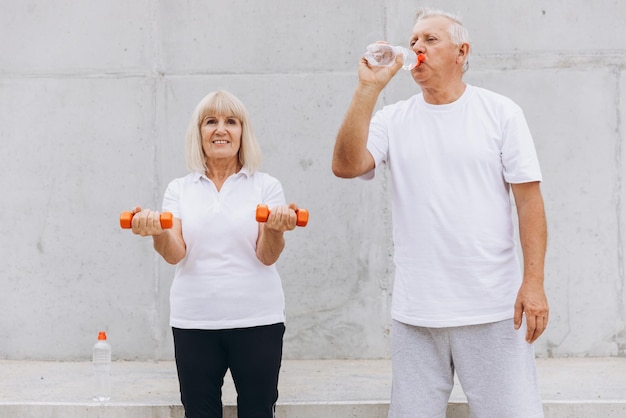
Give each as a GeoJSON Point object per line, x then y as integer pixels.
{"type": "Point", "coordinates": [263, 212]}
{"type": "Point", "coordinates": [126, 219]}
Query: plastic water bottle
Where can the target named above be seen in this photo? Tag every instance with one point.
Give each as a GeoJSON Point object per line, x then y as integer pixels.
{"type": "Point", "coordinates": [102, 368]}
{"type": "Point", "coordinates": [384, 55]}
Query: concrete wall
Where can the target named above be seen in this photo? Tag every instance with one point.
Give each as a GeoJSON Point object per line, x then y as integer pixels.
{"type": "Point", "coordinates": [95, 98]}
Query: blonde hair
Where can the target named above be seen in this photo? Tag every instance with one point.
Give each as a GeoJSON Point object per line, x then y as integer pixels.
{"type": "Point", "coordinates": [222, 103]}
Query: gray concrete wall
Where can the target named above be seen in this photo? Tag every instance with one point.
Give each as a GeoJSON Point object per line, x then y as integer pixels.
{"type": "Point", "coordinates": [95, 98]}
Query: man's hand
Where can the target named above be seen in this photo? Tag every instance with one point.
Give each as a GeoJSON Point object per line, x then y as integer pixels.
{"type": "Point", "coordinates": [532, 302]}
{"type": "Point", "coordinates": [377, 77]}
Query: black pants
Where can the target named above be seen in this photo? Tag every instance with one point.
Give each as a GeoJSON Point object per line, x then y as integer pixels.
{"type": "Point", "coordinates": [253, 356]}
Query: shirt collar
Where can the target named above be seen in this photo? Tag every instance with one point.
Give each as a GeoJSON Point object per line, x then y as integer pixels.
{"type": "Point", "coordinates": [243, 172]}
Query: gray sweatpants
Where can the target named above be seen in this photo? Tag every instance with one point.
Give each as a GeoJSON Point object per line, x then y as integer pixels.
{"type": "Point", "coordinates": [494, 364]}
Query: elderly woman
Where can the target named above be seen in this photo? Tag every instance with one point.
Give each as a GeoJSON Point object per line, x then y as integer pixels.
{"type": "Point", "coordinates": [227, 302]}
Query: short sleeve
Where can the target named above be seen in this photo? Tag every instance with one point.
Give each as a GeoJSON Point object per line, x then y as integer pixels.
{"type": "Point", "coordinates": [272, 191]}
{"type": "Point", "coordinates": [377, 142]}
{"type": "Point", "coordinates": [171, 198]}
{"type": "Point", "coordinates": [519, 157]}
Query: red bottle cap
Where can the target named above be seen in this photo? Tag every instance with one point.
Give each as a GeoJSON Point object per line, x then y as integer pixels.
{"type": "Point", "coordinates": [102, 335]}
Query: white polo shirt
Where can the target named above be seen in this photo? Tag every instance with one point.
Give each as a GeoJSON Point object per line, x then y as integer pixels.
{"type": "Point", "coordinates": [451, 166]}
{"type": "Point", "coordinates": [220, 284]}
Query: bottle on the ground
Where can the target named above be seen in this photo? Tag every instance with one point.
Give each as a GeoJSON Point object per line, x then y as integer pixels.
{"type": "Point", "coordinates": [102, 368]}
{"type": "Point", "coordinates": [384, 55]}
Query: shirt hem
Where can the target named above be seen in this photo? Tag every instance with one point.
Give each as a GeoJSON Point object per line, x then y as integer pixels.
{"type": "Point", "coordinates": [452, 322]}
{"type": "Point", "coordinates": [242, 323]}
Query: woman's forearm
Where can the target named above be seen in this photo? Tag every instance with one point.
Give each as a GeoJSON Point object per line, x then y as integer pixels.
{"type": "Point", "coordinates": [170, 244]}
{"type": "Point", "coordinates": [270, 245]}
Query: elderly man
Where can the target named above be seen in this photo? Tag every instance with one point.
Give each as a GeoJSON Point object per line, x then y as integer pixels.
{"type": "Point", "coordinates": [461, 302]}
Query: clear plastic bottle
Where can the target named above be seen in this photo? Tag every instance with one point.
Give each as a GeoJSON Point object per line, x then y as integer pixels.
{"type": "Point", "coordinates": [384, 55]}
{"type": "Point", "coordinates": [102, 368]}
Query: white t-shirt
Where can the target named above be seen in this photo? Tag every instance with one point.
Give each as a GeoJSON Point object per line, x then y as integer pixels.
{"type": "Point", "coordinates": [451, 165]}
{"type": "Point", "coordinates": [220, 284]}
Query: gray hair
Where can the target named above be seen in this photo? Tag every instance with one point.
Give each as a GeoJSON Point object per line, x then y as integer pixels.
{"type": "Point", "coordinates": [458, 32]}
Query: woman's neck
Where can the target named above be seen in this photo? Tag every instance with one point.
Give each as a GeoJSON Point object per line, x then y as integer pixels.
{"type": "Point", "coordinates": [219, 171]}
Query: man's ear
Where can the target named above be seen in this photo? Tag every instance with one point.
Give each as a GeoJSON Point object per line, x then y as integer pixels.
{"type": "Point", "coordinates": [463, 52]}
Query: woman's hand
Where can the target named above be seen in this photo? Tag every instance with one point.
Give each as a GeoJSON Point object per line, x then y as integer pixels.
{"type": "Point", "coordinates": [169, 243]}
{"type": "Point", "coordinates": [271, 242]}
{"type": "Point", "coordinates": [282, 218]}
{"type": "Point", "coordinates": [146, 222]}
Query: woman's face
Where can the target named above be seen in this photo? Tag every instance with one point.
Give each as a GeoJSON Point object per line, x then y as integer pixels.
{"type": "Point", "coordinates": [221, 137]}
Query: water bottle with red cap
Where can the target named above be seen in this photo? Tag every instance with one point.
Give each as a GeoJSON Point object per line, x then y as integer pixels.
{"type": "Point", "coordinates": [384, 55]}
{"type": "Point", "coordinates": [102, 368]}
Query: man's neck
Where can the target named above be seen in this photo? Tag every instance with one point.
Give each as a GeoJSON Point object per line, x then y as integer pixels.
{"type": "Point", "coordinates": [444, 95]}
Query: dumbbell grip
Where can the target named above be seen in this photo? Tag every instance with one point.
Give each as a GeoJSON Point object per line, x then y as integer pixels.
{"type": "Point", "coordinates": [263, 213]}
{"type": "Point", "coordinates": [126, 220]}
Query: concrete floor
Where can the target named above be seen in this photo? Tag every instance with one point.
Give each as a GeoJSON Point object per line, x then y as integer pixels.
{"type": "Point", "coordinates": [570, 388]}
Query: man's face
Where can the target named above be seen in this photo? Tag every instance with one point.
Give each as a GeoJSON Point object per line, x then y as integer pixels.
{"type": "Point", "coordinates": [431, 37]}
